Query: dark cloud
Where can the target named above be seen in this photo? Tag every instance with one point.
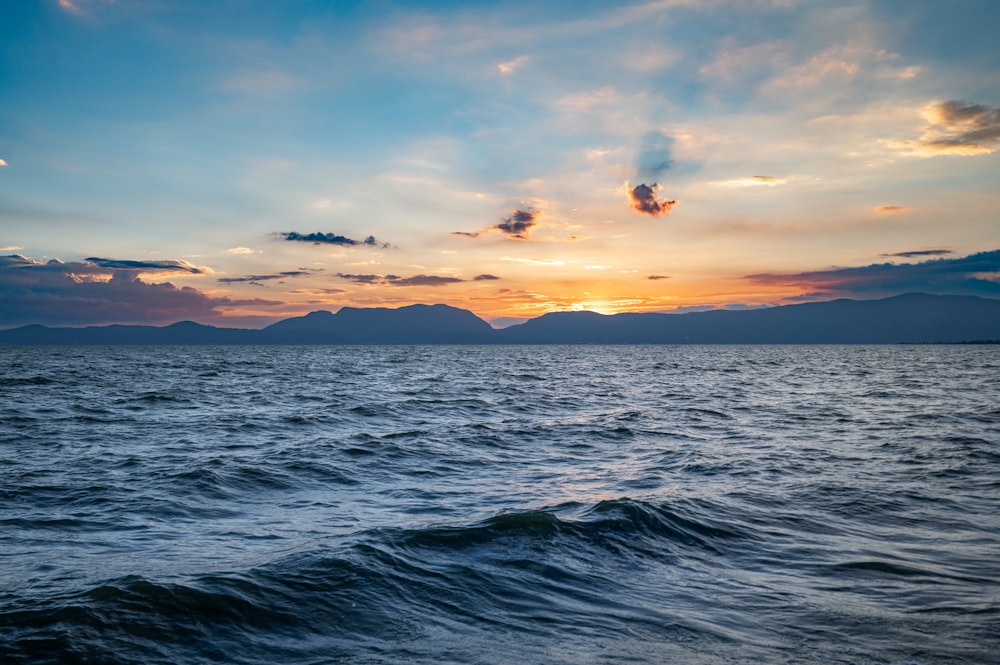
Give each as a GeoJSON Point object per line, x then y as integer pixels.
{"type": "Point", "coordinates": [517, 225]}
{"type": "Point", "coordinates": [655, 277]}
{"type": "Point", "coordinates": [366, 279]}
{"type": "Point", "coordinates": [319, 238]}
{"type": "Point", "coordinates": [317, 292]}
{"type": "Point", "coordinates": [84, 293]}
{"type": "Point", "coordinates": [416, 280]}
{"type": "Point", "coordinates": [958, 128]}
{"type": "Point", "coordinates": [425, 280]}
{"type": "Point", "coordinates": [920, 252]}
{"type": "Point", "coordinates": [977, 274]}
{"type": "Point", "coordinates": [655, 156]}
{"type": "Point", "coordinates": [643, 198]}
{"type": "Point", "coordinates": [257, 279]}
{"type": "Point", "coordinates": [145, 266]}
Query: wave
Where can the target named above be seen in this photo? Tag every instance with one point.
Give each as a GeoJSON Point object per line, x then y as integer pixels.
{"type": "Point", "coordinates": [529, 575]}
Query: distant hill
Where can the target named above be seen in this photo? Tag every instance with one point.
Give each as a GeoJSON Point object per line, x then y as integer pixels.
{"type": "Point", "coordinates": [413, 324]}
{"type": "Point", "coordinates": [911, 318]}
{"type": "Point", "coordinates": [183, 332]}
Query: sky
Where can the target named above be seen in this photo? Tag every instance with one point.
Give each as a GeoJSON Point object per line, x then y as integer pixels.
{"type": "Point", "coordinates": [238, 162]}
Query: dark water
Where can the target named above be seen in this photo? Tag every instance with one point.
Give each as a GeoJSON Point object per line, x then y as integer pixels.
{"type": "Point", "coordinates": [500, 505]}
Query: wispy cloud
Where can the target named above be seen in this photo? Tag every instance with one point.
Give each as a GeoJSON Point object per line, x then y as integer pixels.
{"type": "Point", "coordinates": [320, 238]}
{"type": "Point", "coordinates": [263, 82]}
{"type": "Point", "coordinates": [646, 200]}
{"type": "Point", "coordinates": [964, 275]}
{"type": "Point", "coordinates": [890, 209]}
{"type": "Point", "coordinates": [415, 280]}
{"type": "Point", "coordinates": [657, 277]}
{"type": "Point", "coordinates": [83, 7]}
{"type": "Point", "coordinates": [239, 250]}
{"type": "Point", "coordinates": [919, 252]}
{"type": "Point", "coordinates": [69, 6]}
{"type": "Point", "coordinates": [257, 279]}
{"type": "Point", "coordinates": [840, 62]}
{"type": "Point", "coordinates": [534, 262]}
{"type": "Point", "coordinates": [511, 65]}
{"type": "Point", "coordinates": [955, 128]}
{"type": "Point", "coordinates": [754, 181]}
{"type": "Point", "coordinates": [655, 155]}
{"type": "Point", "coordinates": [148, 266]}
{"type": "Point", "coordinates": [3, 162]}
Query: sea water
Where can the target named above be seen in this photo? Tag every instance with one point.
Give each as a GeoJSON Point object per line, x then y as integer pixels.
{"type": "Point", "coordinates": [500, 504]}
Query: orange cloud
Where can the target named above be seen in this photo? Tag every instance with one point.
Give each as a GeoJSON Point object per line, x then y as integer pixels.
{"type": "Point", "coordinates": [889, 210]}
{"type": "Point", "coordinates": [644, 199]}
{"type": "Point", "coordinates": [956, 128]}
{"type": "Point", "coordinates": [754, 181]}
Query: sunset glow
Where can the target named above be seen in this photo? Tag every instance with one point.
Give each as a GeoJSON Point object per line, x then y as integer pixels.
{"type": "Point", "coordinates": [238, 165]}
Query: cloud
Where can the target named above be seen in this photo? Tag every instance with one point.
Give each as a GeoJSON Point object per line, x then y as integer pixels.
{"type": "Point", "coordinates": [425, 280]}
{"type": "Point", "coordinates": [319, 292]}
{"type": "Point", "coordinates": [534, 262]}
{"type": "Point", "coordinates": [754, 181]}
{"type": "Point", "coordinates": [239, 250]}
{"type": "Point", "coordinates": [320, 238]}
{"type": "Point", "coordinates": [657, 277]}
{"type": "Point", "coordinates": [956, 128]}
{"type": "Point", "coordinates": [77, 7]}
{"type": "Point", "coordinates": [367, 279]}
{"type": "Point", "coordinates": [643, 198]}
{"type": "Point", "coordinates": [920, 252]}
{"type": "Point", "coordinates": [510, 66]}
{"type": "Point", "coordinates": [83, 293]}
{"type": "Point", "coordinates": [517, 225]}
{"type": "Point", "coordinates": [656, 155]}
{"type": "Point", "coordinates": [147, 266]}
{"type": "Point", "coordinates": [9, 248]}
{"type": "Point", "coordinates": [257, 279]}
{"type": "Point", "coordinates": [889, 210]}
{"type": "Point", "coordinates": [970, 275]}
{"type": "Point", "coordinates": [416, 280]}
{"type": "Point", "coordinates": [263, 82]}
{"type": "Point", "coordinates": [3, 162]}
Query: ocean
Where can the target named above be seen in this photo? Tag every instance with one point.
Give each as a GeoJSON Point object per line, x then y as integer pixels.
{"type": "Point", "coordinates": [500, 504]}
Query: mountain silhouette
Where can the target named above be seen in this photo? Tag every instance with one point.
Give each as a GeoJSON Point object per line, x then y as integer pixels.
{"type": "Point", "coordinates": [910, 318]}
{"type": "Point", "coordinates": [413, 324]}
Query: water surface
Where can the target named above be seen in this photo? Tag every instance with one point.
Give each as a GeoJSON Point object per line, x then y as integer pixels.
{"type": "Point", "coordinates": [579, 504]}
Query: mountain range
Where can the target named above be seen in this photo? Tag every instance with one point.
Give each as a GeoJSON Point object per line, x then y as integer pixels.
{"type": "Point", "coordinates": [910, 318]}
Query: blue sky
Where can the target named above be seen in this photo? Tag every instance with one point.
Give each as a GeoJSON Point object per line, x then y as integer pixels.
{"type": "Point", "coordinates": [169, 160]}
